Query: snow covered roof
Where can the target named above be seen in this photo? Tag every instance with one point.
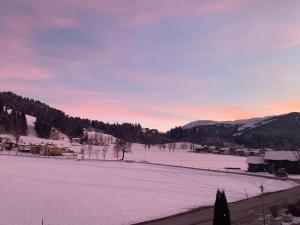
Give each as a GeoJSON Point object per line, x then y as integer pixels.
{"type": "Point", "coordinates": [282, 155]}
{"type": "Point", "coordinates": [28, 140]}
{"type": "Point", "coordinates": [9, 137]}
{"type": "Point", "coordinates": [255, 160]}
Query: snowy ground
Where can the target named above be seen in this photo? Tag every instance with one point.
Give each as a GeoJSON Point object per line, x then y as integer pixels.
{"type": "Point", "coordinates": [180, 157]}
{"type": "Point", "coordinates": [71, 192]}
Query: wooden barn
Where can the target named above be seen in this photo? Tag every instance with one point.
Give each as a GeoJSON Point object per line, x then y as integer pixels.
{"type": "Point", "coordinates": [289, 160]}
{"type": "Point", "coordinates": [256, 164]}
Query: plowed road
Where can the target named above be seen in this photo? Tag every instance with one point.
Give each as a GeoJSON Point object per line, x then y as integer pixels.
{"type": "Point", "coordinates": [246, 212]}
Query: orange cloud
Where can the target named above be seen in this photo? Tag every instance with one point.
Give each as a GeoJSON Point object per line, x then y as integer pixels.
{"type": "Point", "coordinates": [219, 113]}
{"type": "Point", "coordinates": [285, 106]}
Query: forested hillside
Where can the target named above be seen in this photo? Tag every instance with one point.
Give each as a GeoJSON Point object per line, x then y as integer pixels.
{"type": "Point", "coordinates": [278, 132]}
{"type": "Point", "coordinates": [12, 121]}
{"type": "Point", "coordinates": [48, 117]}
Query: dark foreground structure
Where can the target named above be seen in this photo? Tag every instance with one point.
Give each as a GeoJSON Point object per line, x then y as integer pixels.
{"type": "Point", "coordinates": [273, 161]}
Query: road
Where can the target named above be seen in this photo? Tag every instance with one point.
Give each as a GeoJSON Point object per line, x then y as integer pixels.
{"type": "Point", "coordinates": [245, 212]}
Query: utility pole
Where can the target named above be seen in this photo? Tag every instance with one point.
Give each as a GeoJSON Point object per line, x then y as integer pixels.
{"type": "Point", "coordinates": [263, 203]}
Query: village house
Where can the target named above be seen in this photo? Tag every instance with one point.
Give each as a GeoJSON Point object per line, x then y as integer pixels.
{"type": "Point", "coordinates": [28, 148]}
{"type": "Point", "coordinates": [225, 151]}
{"type": "Point", "coordinates": [240, 152]}
{"type": "Point", "coordinates": [6, 144]}
{"type": "Point", "coordinates": [201, 149]}
{"type": "Point", "coordinates": [256, 164]}
{"type": "Point", "coordinates": [273, 161]}
{"type": "Point", "coordinates": [53, 150]}
{"type": "Point", "coordinates": [75, 140]}
{"type": "Point", "coordinates": [289, 160]}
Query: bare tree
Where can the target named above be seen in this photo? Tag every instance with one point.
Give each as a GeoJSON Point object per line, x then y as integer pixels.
{"type": "Point", "coordinates": [192, 146]}
{"type": "Point", "coordinates": [297, 156]}
{"type": "Point", "coordinates": [121, 146]}
{"type": "Point", "coordinates": [104, 152]}
{"type": "Point", "coordinates": [183, 145]}
{"type": "Point", "coordinates": [164, 147]}
{"type": "Point", "coordinates": [160, 147]}
{"type": "Point", "coordinates": [90, 151]}
{"type": "Point", "coordinates": [101, 141]}
{"type": "Point", "coordinates": [173, 146]}
{"type": "Point", "coordinates": [97, 152]}
{"type": "Point", "coordinates": [95, 139]}
{"type": "Point", "coordinates": [170, 146]}
{"type": "Point", "coordinates": [82, 150]}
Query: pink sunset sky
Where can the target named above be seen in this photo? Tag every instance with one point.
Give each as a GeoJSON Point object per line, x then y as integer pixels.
{"type": "Point", "coordinates": [160, 63]}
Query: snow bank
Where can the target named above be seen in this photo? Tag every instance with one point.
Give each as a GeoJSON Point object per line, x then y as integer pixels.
{"type": "Point", "coordinates": [112, 193]}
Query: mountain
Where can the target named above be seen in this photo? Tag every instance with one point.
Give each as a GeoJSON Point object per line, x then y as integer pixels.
{"type": "Point", "coordinates": [242, 124]}
{"type": "Point", "coordinates": [278, 132]}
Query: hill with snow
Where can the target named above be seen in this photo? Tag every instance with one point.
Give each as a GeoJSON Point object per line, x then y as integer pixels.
{"type": "Point", "coordinates": [240, 124]}
{"type": "Point", "coordinates": [277, 132]}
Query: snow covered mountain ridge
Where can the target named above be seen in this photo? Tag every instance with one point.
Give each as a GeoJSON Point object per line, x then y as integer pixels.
{"type": "Point", "coordinates": [241, 124]}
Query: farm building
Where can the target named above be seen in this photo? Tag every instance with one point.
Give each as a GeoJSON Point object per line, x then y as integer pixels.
{"type": "Point", "coordinates": [256, 164]}
{"type": "Point", "coordinates": [289, 160]}
{"type": "Point", "coordinates": [272, 161]}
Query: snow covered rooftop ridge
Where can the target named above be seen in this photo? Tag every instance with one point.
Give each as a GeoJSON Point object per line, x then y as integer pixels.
{"type": "Point", "coordinates": [242, 124]}
{"type": "Point", "coordinates": [255, 160]}
{"type": "Point", "coordinates": [29, 140]}
{"type": "Point", "coordinates": [283, 155]}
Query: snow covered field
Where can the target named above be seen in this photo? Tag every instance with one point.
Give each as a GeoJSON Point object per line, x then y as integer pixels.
{"type": "Point", "coordinates": [180, 157]}
{"type": "Point", "coordinates": [71, 192]}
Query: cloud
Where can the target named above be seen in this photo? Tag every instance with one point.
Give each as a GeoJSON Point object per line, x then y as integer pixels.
{"type": "Point", "coordinates": [282, 107]}
{"type": "Point", "coordinates": [155, 10]}
{"type": "Point", "coordinates": [254, 36]}
{"type": "Point", "coordinates": [26, 72]}
{"type": "Point", "coordinates": [170, 61]}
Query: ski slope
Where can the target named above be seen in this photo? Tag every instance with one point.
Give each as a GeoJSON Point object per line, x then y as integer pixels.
{"type": "Point", "coordinates": [72, 192]}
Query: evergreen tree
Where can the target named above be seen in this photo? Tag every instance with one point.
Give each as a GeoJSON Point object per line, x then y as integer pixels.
{"type": "Point", "coordinates": [1, 106]}
{"type": "Point", "coordinates": [226, 209]}
{"type": "Point", "coordinates": [21, 124]}
{"type": "Point", "coordinates": [221, 211]}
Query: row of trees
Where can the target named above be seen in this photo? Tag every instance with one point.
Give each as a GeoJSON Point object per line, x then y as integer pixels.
{"type": "Point", "coordinates": [119, 149]}
{"type": "Point", "coordinates": [91, 151]}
